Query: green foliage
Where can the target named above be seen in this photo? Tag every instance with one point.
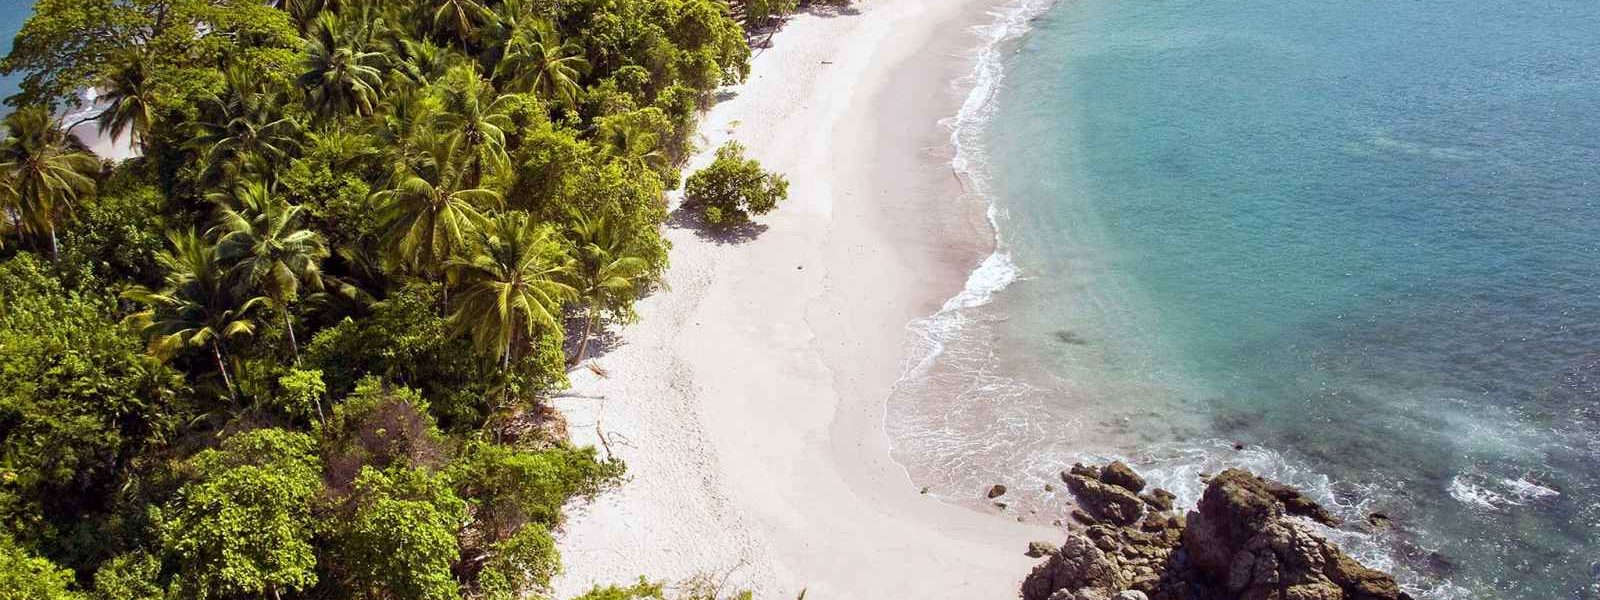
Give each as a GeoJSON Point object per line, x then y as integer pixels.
{"type": "Point", "coordinates": [300, 394]}
{"type": "Point", "coordinates": [380, 426]}
{"type": "Point", "coordinates": [27, 577]}
{"type": "Point", "coordinates": [511, 487]}
{"type": "Point", "coordinates": [244, 525]}
{"type": "Point", "coordinates": [527, 560]}
{"type": "Point", "coordinates": [426, 190]}
{"type": "Point", "coordinates": [129, 577]}
{"type": "Point", "coordinates": [643, 589]}
{"type": "Point", "coordinates": [405, 340]}
{"type": "Point", "coordinates": [79, 399]}
{"type": "Point", "coordinates": [119, 235]}
{"type": "Point", "coordinates": [72, 44]}
{"type": "Point", "coordinates": [400, 539]}
{"type": "Point", "coordinates": [732, 188]}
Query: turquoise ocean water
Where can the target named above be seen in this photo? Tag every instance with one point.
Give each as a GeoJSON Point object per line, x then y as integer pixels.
{"type": "Point", "coordinates": [1359, 238]}
{"type": "Point", "coordinates": [12, 14]}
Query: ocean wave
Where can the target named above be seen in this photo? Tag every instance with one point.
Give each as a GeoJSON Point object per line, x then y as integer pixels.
{"type": "Point", "coordinates": [997, 271]}
{"type": "Point", "coordinates": [1480, 492]}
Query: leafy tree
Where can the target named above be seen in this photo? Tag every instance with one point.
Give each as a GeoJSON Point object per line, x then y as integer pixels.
{"type": "Point", "coordinates": [525, 561]}
{"type": "Point", "coordinates": [732, 188]}
{"type": "Point", "coordinates": [641, 590]}
{"type": "Point", "coordinates": [271, 250]}
{"type": "Point", "coordinates": [339, 75]}
{"type": "Point", "coordinates": [27, 577]}
{"type": "Point", "coordinates": [606, 274]}
{"type": "Point", "coordinates": [244, 525]}
{"type": "Point", "coordinates": [538, 60]}
{"type": "Point", "coordinates": [132, 576]}
{"type": "Point", "coordinates": [510, 487]}
{"type": "Point", "coordinates": [400, 540]}
{"type": "Point", "coordinates": [69, 45]}
{"type": "Point", "coordinates": [512, 286]}
{"type": "Point", "coordinates": [404, 340]}
{"type": "Point", "coordinates": [45, 170]}
{"type": "Point", "coordinates": [196, 307]}
{"type": "Point", "coordinates": [80, 404]}
{"type": "Point", "coordinates": [759, 13]}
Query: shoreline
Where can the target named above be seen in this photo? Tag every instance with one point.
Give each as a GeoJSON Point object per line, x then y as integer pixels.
{"type": "Point", "coordinates": [749, 400]}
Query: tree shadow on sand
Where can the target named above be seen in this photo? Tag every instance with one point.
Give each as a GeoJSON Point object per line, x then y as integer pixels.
{"type": "Point", "coordinates": [685, 218]}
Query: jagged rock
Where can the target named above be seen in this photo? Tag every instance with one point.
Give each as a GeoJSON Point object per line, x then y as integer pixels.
{"type": "Point", "coordinates": [1379, 520]}
{"type": "Point", "coordinates": [1104, 501]}
{"type": "Point", "coordinates": [1117, 473]}
{"type": "Point", "coordinates": [1159, 499]}
{"type": "Point", "coordinates": [1297, 503]}
{"type": "Point", "coordinates": [1238, 544]}
{"type": "Point", "coordinates": [1078, 564]}
{"type": "Point", "coordinates": [1238, 540]}
{"type": "Point", "coordinates": [1083, 517]}
{"type": "Point", "coordinates": [1082, 470]}
{"type": "Point", "coordinates": [1040, 549]}
{"type": "Point", "coordinates": [997, 491]}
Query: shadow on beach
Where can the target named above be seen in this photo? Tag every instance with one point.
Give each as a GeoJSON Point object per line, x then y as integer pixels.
{"type": "Point", "coordinates": [683, 218]}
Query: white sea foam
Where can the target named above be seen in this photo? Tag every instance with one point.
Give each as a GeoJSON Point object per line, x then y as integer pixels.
{"type": "Point", "coordinates": [997, 271]}
{"type": "Point", "coordinates": [1467, 490]}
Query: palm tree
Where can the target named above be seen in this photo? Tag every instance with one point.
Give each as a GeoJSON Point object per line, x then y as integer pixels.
{"type": "Point", "coordinates": [132, 108]}
{"type": "Point", "coordinates": [606, 274]}
{"type": "Point", "coordinates": [460, 18]}
{"type": "Point", "coordinates": [196, 308]}
{"type": "Point", "coordinates": [538, 60]}
{"type": "Point", "coordinates": [419, 62]}
{"type": "Point", "coordinates": [340, 76]}
{"type": "Point", "coordinates": [428, 212]}
{"type": "Point", "coordinates": [246, 132]}
{"type": "Point", "coordinates": [512, 286]}
{"type": "Point", "coordinates": [271, 250]}
{"type": "Point", "coordinates": [631, 142]}
{"type": "Point", "coordinates": [475, 120]}
{"type": "Point", "coordinates": [44, 170]}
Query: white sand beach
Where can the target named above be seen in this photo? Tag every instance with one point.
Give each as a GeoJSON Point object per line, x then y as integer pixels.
{"type": "Point", "coordinates": [748, 402]}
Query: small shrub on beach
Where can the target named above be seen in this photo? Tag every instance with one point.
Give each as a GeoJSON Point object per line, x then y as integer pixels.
{"type": "Point", "coordinates": [733, 188]}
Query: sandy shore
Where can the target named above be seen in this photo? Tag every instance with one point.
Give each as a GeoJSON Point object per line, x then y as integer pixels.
{"type": "Point", "coordinates": [748, 403]}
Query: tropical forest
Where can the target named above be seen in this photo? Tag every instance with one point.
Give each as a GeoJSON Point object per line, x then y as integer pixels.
{"type": "Point", "coordinates": [300, 345]}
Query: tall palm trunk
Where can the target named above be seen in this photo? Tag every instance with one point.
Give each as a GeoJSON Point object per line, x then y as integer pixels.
{"type": "Point", "coordinates": [54, 245]}
{"type": "Point", "coordinates": [222, 367]}
{"type": "Point", "coordinates": [294, 345]}
{"type": "Point", "coordinates": [588, 328]}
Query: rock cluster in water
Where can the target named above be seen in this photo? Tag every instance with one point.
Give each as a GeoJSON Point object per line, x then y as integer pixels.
{"type": "Point", "coordinates": [1240, 543]}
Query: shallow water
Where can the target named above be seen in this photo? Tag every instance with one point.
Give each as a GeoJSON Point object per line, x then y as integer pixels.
{"type": "Point", "coordinates": [1358, 237]}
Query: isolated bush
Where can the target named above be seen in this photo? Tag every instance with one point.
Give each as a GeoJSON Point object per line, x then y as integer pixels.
{"type": "Point", "coordinates": [732, 188]}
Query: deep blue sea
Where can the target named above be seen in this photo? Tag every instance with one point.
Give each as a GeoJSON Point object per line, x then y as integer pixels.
{"type": "Point", "coordinates": [1359, 238]}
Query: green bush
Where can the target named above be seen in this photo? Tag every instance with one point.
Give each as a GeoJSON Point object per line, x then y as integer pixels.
{"type": "Point", "coordinates": [732, 188]}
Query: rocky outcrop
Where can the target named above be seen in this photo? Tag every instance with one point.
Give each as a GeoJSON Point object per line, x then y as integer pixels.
{"type": "Point", "coordinates": [1238, 544]}
{"type": "Point", "coordinates": [1118, 474]}
{"type": "Point", "coordinates": [1103, 499]}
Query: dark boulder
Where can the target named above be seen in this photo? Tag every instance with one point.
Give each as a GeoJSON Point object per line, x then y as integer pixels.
{"type": "Point", "coordinates": [1105, 502]}
{"type": "Point", "coordinates": [1119, 474]}
{"type": "Point", "coordinates": [997, 491]}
